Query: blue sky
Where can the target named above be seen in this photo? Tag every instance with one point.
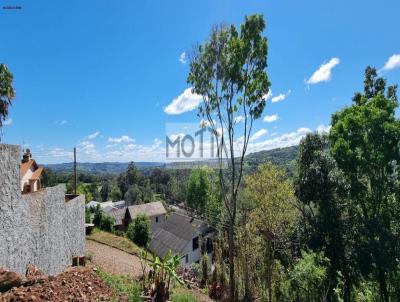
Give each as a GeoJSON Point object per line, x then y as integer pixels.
{"type": "Point", "coordinates": [100, 75]}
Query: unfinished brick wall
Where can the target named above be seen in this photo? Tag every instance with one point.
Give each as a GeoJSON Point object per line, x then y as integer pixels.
{"type": "Point", "coordinates": [38, 228]}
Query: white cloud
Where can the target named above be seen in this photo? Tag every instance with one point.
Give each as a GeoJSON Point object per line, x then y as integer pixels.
{"type": "Point", "coordinates": [87, 147]}
{"type": "Point", "coordinates": [323, 129]}
{"type": "Point", "coordinates": [122, 139]}
{"type": "Point", "coordinates": [63, 122]}
{"type": "Point", "coordinates": [268, 95]}
{"type": "Point", "coordinates": [285, 140]}
{"type": "Point", "coordinates": [94, 135]}
{"type": "Point", "coordinates": [60, 152]}
{"type": "Point", "coordinates": [280, 97]}
{"type": "Point", "coordinates": [187, 101]}
{"type": "Point", "coordinates": [238, 119]}
{"type": "Point", "coordinates": [392, 63]}
{"type": "Point", "coordinates": [258, 134]}
{"type": "Point", "coordinates": [8, 122]}
{"type": "Point", "coordinates": [324, 72]}
{"type": "Point", "coordinates": [183, 58]}
{"type": "Point", "coordinates": [271, 118]}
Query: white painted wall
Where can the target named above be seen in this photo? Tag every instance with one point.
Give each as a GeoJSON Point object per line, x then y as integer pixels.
{"type": "Point", "coordinates": [26, 177]}
{"type": "Point", "coordinates": [156, 225]}
{"type": "Point", "coordinates": [194, 255]}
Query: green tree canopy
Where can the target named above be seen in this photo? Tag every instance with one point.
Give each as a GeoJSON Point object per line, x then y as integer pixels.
{"type": "Point", "coordinates": [365, 144]}
{"type": "Point", "coordinates": [7, 92]}
{"type": "Point", "coordinates": [139, 230]}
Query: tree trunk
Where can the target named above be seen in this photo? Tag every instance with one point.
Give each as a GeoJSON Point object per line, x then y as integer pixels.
{"type": "Point", "coordinates": [231, 244]}
{"type": "Point", "coordinates": [383, 287]}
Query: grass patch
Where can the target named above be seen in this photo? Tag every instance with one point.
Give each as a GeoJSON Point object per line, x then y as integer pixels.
{"type": "Point", "coordinates": [183, 297]}
{"type": "Point", "coordinates": [119, 242]}
{"type": "Point", "coordinates": [122, 285]}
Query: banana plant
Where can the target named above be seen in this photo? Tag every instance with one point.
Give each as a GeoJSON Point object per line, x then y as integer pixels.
{"type": "Point", "coordinates": [164, 271]}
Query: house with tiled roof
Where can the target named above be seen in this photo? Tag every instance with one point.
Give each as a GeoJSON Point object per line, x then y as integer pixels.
{"type": "Point", "coordinates": [30, 174]}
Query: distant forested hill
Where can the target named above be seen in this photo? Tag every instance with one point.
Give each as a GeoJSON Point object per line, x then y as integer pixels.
{"type": "Point", "coordinates": [99, 168]}
{"type": "Point", "coordinates": [282, 157]}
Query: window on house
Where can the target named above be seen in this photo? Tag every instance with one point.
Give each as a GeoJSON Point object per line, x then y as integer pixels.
{"type": "Point", "coordinates": [156, 219]}
{"type": "Point", "coordinates": [195, 243]}
{"type": "Point", "coordinates": [186, 258]}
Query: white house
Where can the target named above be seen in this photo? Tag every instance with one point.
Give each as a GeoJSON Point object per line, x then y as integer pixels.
{"type": "Point", "coordinates": [185, 236]}
{"type": "Point", "coordinates": [154, 210]}
{"type": "Point", "coordinates": [31, 174]}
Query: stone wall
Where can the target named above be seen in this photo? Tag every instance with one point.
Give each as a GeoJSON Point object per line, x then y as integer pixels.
{"type": "Point", "coordinates": [38, 228]}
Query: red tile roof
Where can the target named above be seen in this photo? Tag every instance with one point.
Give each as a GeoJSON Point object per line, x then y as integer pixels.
{"type": "Point", "coordinates": [36, 175]}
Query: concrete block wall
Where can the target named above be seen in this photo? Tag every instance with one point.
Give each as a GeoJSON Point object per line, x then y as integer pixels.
{"type": "Point", "coordinates": [38, 228]}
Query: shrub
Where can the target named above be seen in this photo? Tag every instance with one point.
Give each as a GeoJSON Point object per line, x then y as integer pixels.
{"type": "Point", "coordinates": [139, 230]}
{"type": "Point", "coordinates": [98, 216]}
{"type": "Point", "coordinates": [107, 223]}
{"type": "Point", "coordinates": [88, 216]}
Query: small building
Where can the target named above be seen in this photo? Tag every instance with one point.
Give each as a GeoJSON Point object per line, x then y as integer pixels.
{"type": "Point", "coordinates": [30, 173]}
{"type": "Point", "coordinates": [119, 216]}
{"type": "Point", "coordinates": [154, 210]}
{"type": "Point", "coordinates": [107, 206]}
{"type": "Point", "coordinates": [185, 236]}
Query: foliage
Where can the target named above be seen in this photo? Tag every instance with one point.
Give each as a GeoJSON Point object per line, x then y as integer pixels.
{"type": "Point", "coordinates": [107, 223]}
{"type": "Point", "coordinates": [203, 194]}
{"type": "Point", "coordinates": [122, 284]}
{"type": "Point", "coordinates": [229, 71]}
{"type": "Point", "coordinates": [197, 191]}
{"type": "Point", "coordinates": [272, 219]}
{"type": "Point", "coordinates": [105, 191]}
{"type": "Point", "coordinates": [309, 277]}
{"type": "Point", "coordinates": [103, 221]}
{"type": "Point", "coordinates": [204, 269]}
{"type": "Point", "coordinates": [322, 191]}
{"type": "Point", "coordinates": [7, 92]}
{"type": "Point", "coordinates": [364, 139]}
{"type": "Point", "coordinates": [98, 216]}
{"type": "Point", "coordinates": [88, 216]}
{"type": "Point", "coordinates": [183, 297]}
{"type": "Point", "coordinates": [163, 273]}
{"type": "Point", "coordinates": [139, 230]}
{"type": "Point", "coordinates": [115, 194]}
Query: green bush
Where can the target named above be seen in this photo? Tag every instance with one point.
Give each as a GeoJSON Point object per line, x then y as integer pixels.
{"type": "Point", "coordinates": [88, 216]}
{"type": "Point", "coordinates": [107, 224]}
{"type": "Point", "coordinates": [103, 221]}
{"type": "Point", "coordinates": [139, 230]}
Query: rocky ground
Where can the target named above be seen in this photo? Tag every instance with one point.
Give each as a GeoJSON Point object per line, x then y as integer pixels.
{"type": "Point", "coordinates": [75, 284]}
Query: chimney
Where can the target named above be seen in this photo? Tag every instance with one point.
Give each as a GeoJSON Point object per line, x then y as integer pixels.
{"type": "Point", "coordinates": [27, 156]}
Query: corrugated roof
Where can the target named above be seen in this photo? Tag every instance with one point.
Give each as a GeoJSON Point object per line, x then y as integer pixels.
{"type": "Point", "coordinates": [175, 234]}
{"type": "Point", "coordinates": [150, 209]}
{"type": "Point", "coordinates": [118, 215]}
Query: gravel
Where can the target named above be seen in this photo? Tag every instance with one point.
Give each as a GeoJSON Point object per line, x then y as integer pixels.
{"type": "Point", "coordinates": [113, 260]}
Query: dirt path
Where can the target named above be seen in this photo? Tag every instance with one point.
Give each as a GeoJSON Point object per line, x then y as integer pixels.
{"type": "Point", "coordinates": [113, 260]}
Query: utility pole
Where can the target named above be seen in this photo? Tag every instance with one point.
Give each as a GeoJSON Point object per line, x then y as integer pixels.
{"type": "Point", "coordinates": [75, 178]}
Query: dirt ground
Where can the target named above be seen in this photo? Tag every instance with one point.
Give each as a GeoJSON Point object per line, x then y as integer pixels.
{"type": "Point", "coordinates": [75, 284]}
{"type": "Point", "coordinates": [113, 260]}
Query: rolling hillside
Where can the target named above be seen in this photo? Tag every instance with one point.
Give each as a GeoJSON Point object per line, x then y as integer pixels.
{"type": "Point", "coordinates": [283, 157]}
